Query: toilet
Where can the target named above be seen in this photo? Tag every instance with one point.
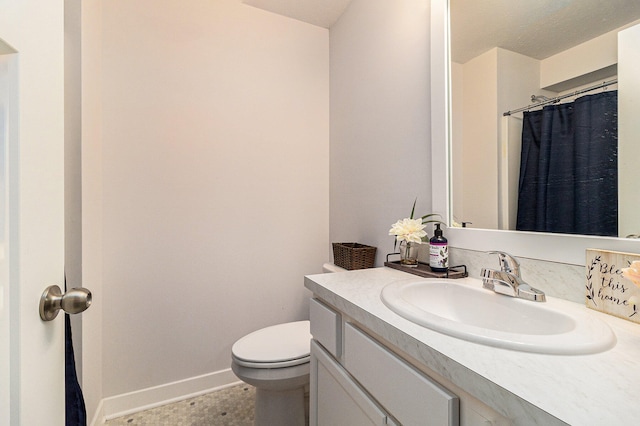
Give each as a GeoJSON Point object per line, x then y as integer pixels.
{"type": "Point", "coordinates": [275, 360]}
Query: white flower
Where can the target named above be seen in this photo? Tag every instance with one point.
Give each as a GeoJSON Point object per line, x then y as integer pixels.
{"type": "Point", "coordinates": [632, 273]}
{"type": "Point", "coordinates": [410, 230]}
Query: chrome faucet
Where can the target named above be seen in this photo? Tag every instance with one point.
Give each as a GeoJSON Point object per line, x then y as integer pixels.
{"type": "Point", "coordinates": [508, 280]}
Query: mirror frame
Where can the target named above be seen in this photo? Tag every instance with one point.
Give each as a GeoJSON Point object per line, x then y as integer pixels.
{"type": "Point", "coordinates": [562, 248]}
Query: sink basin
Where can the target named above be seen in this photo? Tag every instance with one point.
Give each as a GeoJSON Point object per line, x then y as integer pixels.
{"type": "Point", "coordinates": [463, 309]}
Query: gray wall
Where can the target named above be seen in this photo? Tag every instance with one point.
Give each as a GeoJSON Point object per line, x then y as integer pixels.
{"type": "Point", "coordinates": [215, 182]}
{"type": "Point", "coordinates": [380, 120]}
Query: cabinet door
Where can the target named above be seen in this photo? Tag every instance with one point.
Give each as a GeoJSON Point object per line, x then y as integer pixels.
{"type": "Point", "coordinates": [335, 398]}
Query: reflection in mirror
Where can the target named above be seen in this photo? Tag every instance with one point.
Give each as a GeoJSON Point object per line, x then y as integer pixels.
{"type": "Point", "coordinates": [514, 57]}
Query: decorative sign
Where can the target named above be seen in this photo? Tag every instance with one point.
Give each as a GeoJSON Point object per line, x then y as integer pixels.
{"type": "Point", "coordinates": [607, 290]}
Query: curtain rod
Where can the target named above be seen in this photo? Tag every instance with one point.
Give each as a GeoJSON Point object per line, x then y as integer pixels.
{"type": "Point", "coordinates": [558, 98]}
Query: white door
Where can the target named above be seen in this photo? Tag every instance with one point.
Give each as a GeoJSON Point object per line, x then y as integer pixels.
{"type": "Point", "coordinates": [31, 210]}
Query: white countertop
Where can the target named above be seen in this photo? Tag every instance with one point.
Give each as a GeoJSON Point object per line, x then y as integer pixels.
{"type": "Point", "coordinates": [597, 389]}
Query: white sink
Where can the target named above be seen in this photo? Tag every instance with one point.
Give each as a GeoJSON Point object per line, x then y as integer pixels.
{"type": "Point", "coordinates": [463, 309]}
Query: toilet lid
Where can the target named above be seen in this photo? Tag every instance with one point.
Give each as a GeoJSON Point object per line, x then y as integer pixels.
{"type": "Point", "coordinates": [275, 344]}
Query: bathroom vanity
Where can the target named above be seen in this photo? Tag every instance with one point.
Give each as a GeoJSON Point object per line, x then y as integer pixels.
{"type": "Point", "coordinates": [351, 391]}
{"type": "Point", "coordinates": [371, 366]}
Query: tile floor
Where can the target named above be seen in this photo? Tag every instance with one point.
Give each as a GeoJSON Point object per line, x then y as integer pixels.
{"type": "Point", "coordinates": [233, 406]}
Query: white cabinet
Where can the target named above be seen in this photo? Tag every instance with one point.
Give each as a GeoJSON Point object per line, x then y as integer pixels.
{"type": "Point", "coordinates": [336, 399]}
{"type": "Point", "coordinates": [412, 397]}
{"type": "Point", "coordinates": [326, 327]}
{"type": "Point", "coordinates": [357, 381]}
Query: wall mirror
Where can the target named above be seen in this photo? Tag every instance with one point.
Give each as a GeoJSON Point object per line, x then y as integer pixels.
{"type": "Point", "coordinates": [503, 53]}
{"type": "Point", "coordinates": [558, 247]}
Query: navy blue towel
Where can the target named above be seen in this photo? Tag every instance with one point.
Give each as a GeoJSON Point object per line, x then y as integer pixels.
{"type": "Point", "coordinates": [75, 410]}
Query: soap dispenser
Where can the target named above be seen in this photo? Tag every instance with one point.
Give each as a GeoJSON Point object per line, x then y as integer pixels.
{"type": "Point", "coordinates": [438, 251]}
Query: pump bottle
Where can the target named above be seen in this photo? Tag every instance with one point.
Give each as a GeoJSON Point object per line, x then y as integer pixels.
{"type": "Point", "coordinates": [438, 251]}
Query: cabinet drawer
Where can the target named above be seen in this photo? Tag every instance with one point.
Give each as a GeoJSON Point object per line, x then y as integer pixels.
{"type": "Point", "coordinates": [410, 396]}
{"type": "Point", "coordinates": [326, 327]}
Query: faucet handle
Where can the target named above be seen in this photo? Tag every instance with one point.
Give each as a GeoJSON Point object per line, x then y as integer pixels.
{"type": "Point", "coordinates": [507, 262]}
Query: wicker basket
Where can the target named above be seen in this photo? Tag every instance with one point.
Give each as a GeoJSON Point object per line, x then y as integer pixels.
{"type": "Point", "coordinates": [352, 256]}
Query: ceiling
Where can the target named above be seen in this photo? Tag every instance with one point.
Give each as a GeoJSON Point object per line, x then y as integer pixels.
{"type": "Point", "coordinates": [537, 29]}
{"type": "Point", "coordinates": [323, 13]}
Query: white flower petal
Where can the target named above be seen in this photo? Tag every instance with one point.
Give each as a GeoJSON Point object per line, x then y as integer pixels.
{"type": "Point", "coordinates": [411, 230]}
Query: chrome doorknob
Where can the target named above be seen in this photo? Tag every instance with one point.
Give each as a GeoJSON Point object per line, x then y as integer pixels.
{"type": "Point", "coordinates": [74, 301]}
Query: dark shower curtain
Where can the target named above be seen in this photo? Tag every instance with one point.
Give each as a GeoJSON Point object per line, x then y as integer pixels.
{"type": "Point", "coordinates": [569, 167]}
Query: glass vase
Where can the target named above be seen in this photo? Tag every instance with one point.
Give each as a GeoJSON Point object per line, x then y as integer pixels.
{"type": "Point", "coordinates": [409, 254]}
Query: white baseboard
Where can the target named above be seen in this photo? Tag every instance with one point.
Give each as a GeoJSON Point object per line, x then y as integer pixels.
{"type": "Point", "coordinates": [144, 399]}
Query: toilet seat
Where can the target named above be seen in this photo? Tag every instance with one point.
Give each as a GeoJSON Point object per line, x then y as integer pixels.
{"type": "Point", "coordinates": [277, 346]}
{"type": "Point", "coordinates": [281, 364]}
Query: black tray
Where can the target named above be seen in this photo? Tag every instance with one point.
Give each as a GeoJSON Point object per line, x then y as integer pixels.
{"type": "Point", "coordinates": [424, 270]}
